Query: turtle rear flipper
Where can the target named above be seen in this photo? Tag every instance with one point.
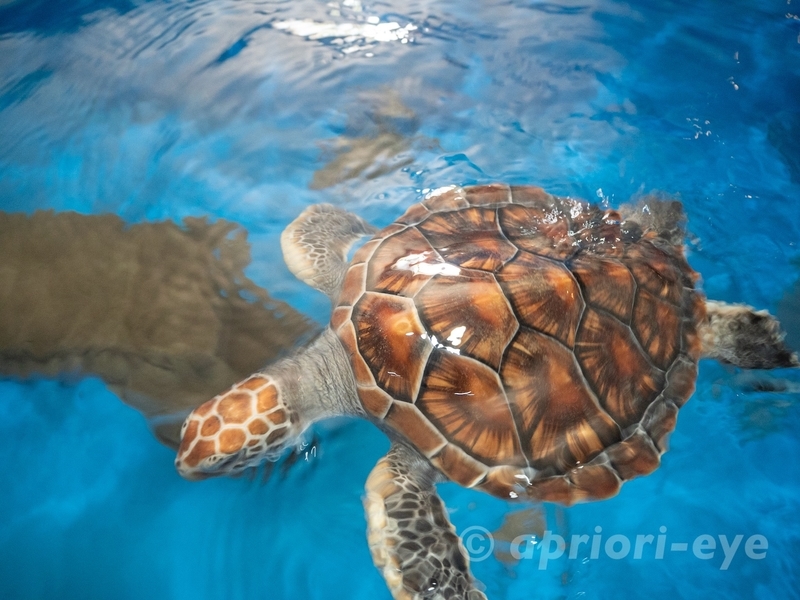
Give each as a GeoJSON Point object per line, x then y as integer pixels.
{"type": "Point", "coordinates": [316, 243]}
{"type": "Point", "coordinates": [658, 213]}
{"type": "Point", "coordinates": [410, 536]}
{"type": "Point", "coordinates": [743, 336]}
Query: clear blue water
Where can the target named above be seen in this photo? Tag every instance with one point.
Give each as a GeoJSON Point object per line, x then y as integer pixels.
{"type": "Point", "coordinates": [159, 110]}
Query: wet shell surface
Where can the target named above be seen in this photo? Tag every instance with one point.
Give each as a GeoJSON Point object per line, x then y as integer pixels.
{"type": "Point", "coordinates": [528, 345]}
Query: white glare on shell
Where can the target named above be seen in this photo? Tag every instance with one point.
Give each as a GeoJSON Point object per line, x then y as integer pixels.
{"type": "Point", "coordinates": [456, 335]}
{"type": "Point", "coordinates": [439, 191]}
{"type": "Point", "coordinates": [418, 265]}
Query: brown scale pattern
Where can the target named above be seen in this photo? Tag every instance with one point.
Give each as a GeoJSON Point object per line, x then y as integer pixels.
{"type": "Point", "coordinates": [561, 424]}
{"type": "Point", "coordinates": [657, 325]}
{"type": "Point", "coordinates": [452, 199]}
{"type": "Point", "coordinates": [459, 466]}
{"type": "Point", "coordinates": [544, 294]}
{"type": "Point", "coordinates": [493, 194]}
{"type": "Point", "coordinates": [529, 195]}
{"type": "Point", "coordinates": [574, 277]}
{"type": "Point", "coordinates": [403, 416]}
{"type": "Point", "coordinates": [538, 229]}
{"type": "Point", "coordinates": [468, 238]}
{"type": "Point", "coordinates": [393, 342]}
{"type": "Point", "coordinates": [401, 264]}
{"type": "Point", "coordinates": [599, 234]}
{"type": "Point", "coordinates": [470, 313]}
{"type": "Point", "coordinates": [655, 270]}
{"type": "Point", "coordinates": [621, 375]}
{"type": "Point", "coordinates": [465, 399]}
{"type": "Point", "coordinates": [606, 284]}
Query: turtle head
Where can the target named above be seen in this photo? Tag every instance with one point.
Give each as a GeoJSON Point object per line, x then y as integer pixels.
{"type": "Point", "coordinates": [238, 429]}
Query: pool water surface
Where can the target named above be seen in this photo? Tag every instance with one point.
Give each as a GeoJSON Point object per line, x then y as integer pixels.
{"type": "Point", "coordinates": [249, 111]}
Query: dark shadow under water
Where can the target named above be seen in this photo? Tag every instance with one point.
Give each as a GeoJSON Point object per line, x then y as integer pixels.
{"type": "Point", "coordinates": [164, 314]}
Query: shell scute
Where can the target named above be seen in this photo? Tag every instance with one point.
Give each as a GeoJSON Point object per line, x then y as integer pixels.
{"type": "Point", "coordinates": [468, 313]}
{"type": "Point", "coordinates": [539, 229]}
{"type": "Point", "coordinates": [691, 344]}
{"type": "Point", "coordinates": [681, 379]}
{"type": "Point", "coordinates": [598, 234]}
{"type": "Point", "coordinates": [606, 284]}
{"type": "Point", "coordinates": [544, 295]}
{"type": "Point", "coordinates": [560, 422]}
{"type": "Point", "coordinates": [376, 402]}
{"type": "Point", "coordinates": [659, 420]}
{"type": "Point", "coordinates": [407, 417]}
{"type": "Point", "coordinates": [392, 342]}
{"type": "Point", "coordinates": [416, 214]}
{"type": "Point", "coordinates": [361, 371]}
{"type": "Point", "coordinates": [507, 482]}
{"type": "Point", "coordinates": [468, 238]}
{"type": "Point", "coordinates": [461, 467]}
{"type": "Point", "coordinates": [657, 325]}
{"type": "Point", "coordinates": [552, 489]}
{"type": "Point", "coordinates": [364, 253]}
{"type": "Point", "coordinates": [353, 285]}
{"type": "Point", "coordinates": [529, 195]}
{"type": "Point", "coordinates": [595, 481]}
{"type": "Point", "coordinates": [620, 374]}
{"type": "Point", "coordinates": [494, 194]}
{"type": "Point", "coordinates": [634, 456]}
{"type": "Point", "coordinates": [655, 270]}
{"type": "Point", "coordinates": [466, 399]}
{"type": "Point", "coordinates": [402, 264]}
{"type": "Point", "coordinates": [450, 198]}
{"type": "Point", "coordinates": [340, 315]}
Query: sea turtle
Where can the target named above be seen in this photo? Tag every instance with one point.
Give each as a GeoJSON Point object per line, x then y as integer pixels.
{"type": "Point", "coordinates": [530, 346]}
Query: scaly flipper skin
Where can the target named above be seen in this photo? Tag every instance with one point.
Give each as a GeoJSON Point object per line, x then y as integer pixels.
{"type": "Point", "coordinates": [743, 336]}
{"type": "Point", "coordinates": [411, 539]}
{"type": "Point", "coordinates": [316, 243]}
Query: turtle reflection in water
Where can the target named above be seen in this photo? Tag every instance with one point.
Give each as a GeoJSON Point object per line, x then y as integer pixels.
{"type": "Point", "coordinates": [530, 346]}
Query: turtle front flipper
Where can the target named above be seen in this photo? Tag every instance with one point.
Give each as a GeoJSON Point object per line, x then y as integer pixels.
{"type": "Point", "coordinates": [740, 335]}
{"type": "Point", "coordinates": [316, 243]}
{"type": "Point", "coordinates": [411, 539]}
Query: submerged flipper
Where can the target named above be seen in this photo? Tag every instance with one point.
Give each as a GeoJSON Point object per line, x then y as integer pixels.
{"type": "Point", "coordinates": [316, 243]}
{"type": "Point", "coordinates": [740, 335]}
{"type": "Point", "coordinates": [658, 213]}
{"type": "Point", "coordinates": [410, 536]}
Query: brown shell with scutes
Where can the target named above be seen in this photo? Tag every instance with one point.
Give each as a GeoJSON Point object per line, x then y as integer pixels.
{"type": "Point", "coordinates": [528, 345]}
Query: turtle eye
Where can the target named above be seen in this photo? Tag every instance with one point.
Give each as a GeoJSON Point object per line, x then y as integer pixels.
{"type": "Point", "coordinates": [212, 460]}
